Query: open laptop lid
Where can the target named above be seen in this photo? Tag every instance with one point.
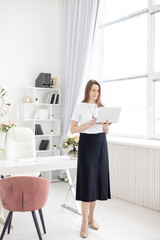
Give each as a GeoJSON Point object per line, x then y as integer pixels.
{"type": "Point", "coordinates": [110, 113]}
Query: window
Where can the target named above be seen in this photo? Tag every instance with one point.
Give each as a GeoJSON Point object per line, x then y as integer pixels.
{"type": "Point", "coordinates": [155, 74]}
{"type": "Point", "coordinates": [157, 108]}
{"type": "Point", "coordinates": [125, 48]}
{"type": "Point", "coordinates": [156, 2]}
{"type": "Point", "coordinates": [129, 65]}
{"type": "Point", "coordinates": [130, 95]}
{"type": "Point", "coordinates": [124, 63]}
{"type": "Point", "coordinates": [157, 42]}
{"type": "Point", "coordinates": [119, 8]}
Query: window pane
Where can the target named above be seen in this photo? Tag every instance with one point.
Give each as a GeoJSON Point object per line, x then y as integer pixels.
{"type": "Point", "coordinates": [157, 108]}
{"type": "Point", "coordinates": [125, 48]}
{"type": "Point", "coordinates": [114, 9]}
{"type": "Point", "coordinates": [155, 2]}
{"type": "Point", "coordinates": [95, 59]}
{"type": "Point", "coordinates": [157, 43]}
{"type": "Point", "coordinates": [131, 97]}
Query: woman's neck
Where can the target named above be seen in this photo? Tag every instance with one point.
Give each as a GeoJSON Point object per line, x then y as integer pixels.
{"type": "Point", "coordinates": [91, 101]}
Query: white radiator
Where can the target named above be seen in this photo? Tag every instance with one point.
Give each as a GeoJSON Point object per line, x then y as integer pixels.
{"type": "Point", "coordinates": [135, 174]}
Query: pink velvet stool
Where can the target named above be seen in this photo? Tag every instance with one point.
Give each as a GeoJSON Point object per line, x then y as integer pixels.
{"type": "Point", "coordinates": [24, 194]}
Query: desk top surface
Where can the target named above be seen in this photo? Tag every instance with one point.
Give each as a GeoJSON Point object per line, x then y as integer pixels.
{"type": "Point", "coordinates": [40, 164]}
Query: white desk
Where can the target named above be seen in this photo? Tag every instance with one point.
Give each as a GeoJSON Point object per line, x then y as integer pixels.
{"type": "Point", "coordinates": [40, 164]}
{"type": "Point", "coordinates": [43, 164]}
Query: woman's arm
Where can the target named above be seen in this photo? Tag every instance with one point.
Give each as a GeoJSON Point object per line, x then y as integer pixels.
{"type": "Point", "coordinates": [76, 129]}
{"type": "Point", "coordinates": [106, 126]}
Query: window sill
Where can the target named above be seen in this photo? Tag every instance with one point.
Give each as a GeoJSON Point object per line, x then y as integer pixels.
{"type": "Point", "coordinates": [147, 143]}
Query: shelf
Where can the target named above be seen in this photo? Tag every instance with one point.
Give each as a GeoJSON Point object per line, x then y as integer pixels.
{"type": "Point", "coordinates": [37, 120]}
{"type": "Point", "coordinates": [44, 89]}
{"type": "Point", "coordinates": [43, 135]}
{"type": "Point", "coordinates": [42, 104]}
{"type": "Point", "coordinates": [40, 151]}
{"type": "Point", "coordinates": [48, 135]}
{"type": "Point", "coordinates": [54, 119]}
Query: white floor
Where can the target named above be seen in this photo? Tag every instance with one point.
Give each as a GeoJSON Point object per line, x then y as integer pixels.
{"type": "Point", "coordinates": [118, 220]}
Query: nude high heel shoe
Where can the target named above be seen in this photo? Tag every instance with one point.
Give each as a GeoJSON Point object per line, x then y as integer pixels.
{"type": "Point", "coordinates": [83, 234]}
{"type": "Point", "coordinates": [93, 225]}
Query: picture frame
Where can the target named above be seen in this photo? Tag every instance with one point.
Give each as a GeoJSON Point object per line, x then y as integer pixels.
{"type": "Point", "coordinates": [53, 82]}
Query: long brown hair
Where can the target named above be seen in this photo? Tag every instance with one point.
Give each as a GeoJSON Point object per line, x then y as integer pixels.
{"type": "Point", "coordinates": [88, 89]}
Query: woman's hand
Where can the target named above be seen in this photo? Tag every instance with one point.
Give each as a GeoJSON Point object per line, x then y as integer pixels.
{"type": "Point", "coordinates": [106, 126]}
{"type": "Point", "coordinates": [76, 129]}
{"type": "Point", "coordinates": [92, 122]}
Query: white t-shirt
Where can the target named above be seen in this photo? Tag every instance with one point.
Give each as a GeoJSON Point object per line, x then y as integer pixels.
{"type": "Point", "coordinates": [83, 113]}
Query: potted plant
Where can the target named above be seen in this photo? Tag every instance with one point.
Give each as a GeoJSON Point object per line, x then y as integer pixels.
{"type": "Point", "coordinates": [54, 147]}
{"type": "Point", "coordinates": [51, 131]}
{"type": "Point", "coordinates": [4, 127]}
{"type": "Point", "coordinates": [71, 142]}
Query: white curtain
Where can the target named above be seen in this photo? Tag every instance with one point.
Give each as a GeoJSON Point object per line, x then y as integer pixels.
{"type": "Point", "coordinates": [79, 21]}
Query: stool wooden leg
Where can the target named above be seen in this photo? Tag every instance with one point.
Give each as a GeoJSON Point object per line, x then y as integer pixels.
{"type": "Point", "coordinates": [36, 224]}
{"type": "Point", "coordinates": [6, 224]}
{"type": "Point", "coordinates": [42, 220]}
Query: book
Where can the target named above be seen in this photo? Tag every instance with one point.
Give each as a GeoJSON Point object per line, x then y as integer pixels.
{"type": "Point", "coordinates": [36, 114]}
{"type": "Point", "coordinates": [43, 144]}
{"type": "Point", "coordinates": [52, 98]}
{"type": "Point", "coordinates": [41, 114]}
{"type": "Point", "coordinates": [57, 99]}
{"type": "Point", "coordinates": [38, 129]}
{"type": "Point", "coordinates": [36, 133]}
{"type": "Point", "coordinates": [47, 97]}
{"type": "Point", "coordinates": [46, 144]}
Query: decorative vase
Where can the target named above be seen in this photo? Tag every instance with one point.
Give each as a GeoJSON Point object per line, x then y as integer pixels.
{"type": "Point", "coordinates": [73, 153]}
{"type": "Point", "coordinates": [26, 100]}
{"type": "Point", "coordinates": [51, 132]}
{"type": "Point", "coordinates": [2, 139]}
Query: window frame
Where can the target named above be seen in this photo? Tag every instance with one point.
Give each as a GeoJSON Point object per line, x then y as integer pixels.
{"type": "Point", "coordinates": [151, 75]}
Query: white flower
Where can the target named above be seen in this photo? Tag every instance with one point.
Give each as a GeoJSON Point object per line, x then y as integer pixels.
{"type": "Point", "coordinates": [76, 140]}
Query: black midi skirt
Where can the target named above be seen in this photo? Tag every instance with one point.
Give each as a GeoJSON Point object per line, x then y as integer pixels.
{"type": "Point", "coordinates": [92, 168]}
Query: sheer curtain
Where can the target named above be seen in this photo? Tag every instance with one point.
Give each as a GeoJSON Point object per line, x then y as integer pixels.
{"type": "Point", "coordinates": [79, 21]}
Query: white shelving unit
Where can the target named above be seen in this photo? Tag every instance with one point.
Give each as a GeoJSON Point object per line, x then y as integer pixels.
{"type": "Point", "coordinates": [26, 117]}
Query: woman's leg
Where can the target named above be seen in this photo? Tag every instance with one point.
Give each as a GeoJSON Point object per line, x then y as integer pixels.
{"type": "Point", "coordinates": [85, 210]}
{"type": "Point", "coordinates": [93, 223]}
{"type": "Point", "coordinates": [91, 211]}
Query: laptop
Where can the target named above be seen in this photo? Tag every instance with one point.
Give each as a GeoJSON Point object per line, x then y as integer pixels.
{"type": "Point", "coordinates": [110, 113]}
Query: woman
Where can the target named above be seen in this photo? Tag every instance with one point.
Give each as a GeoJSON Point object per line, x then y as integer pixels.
{"type": "Point", "coordinates": [93, 169]}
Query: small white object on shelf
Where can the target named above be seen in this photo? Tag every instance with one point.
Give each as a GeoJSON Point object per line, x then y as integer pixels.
{"type": "Point", "coordinates": [41, 114]}
{"type": "Point", "coordinates": [54, 147]}
{"type": "Point", "coordinates": [52, 132]}
{"type": "Point", "coordinates": [47, 98]}
{"type": "Point", "coordinates": [26, 100]}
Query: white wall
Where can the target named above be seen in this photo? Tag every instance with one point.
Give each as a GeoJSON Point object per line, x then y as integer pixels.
{"type": "Point", "coordinates": [30, 43]}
